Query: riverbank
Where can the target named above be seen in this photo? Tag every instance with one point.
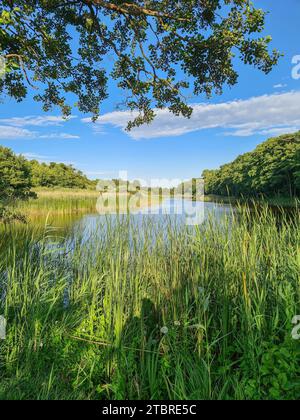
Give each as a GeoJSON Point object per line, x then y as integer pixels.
{"type": "Point", "coordinates": [287, 202]}
{"type": "Point", "coordinates": [77, 201]}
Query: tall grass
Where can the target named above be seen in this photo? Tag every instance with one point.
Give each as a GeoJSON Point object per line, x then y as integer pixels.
{"type": "Point", "coordinates": [152, 310]}
{"type": "Point", "coordinates": [60, 202]}
{"type": "Point", "coordinates": [68, 201]}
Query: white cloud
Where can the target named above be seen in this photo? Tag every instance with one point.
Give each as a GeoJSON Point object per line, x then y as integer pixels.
{"type": "Point", "coordinates": [14, 127]}
{"type": "Point", "coordinates": [35, 121]}
{"type": "Point", "coordinates": [14, 133]}
{"type": "Point", "coordinates": [35, 156]}
{"type": "Point", "coordinates": [58, 136]}
{"type": "Point", "coordinates": [276, 131]}
{"type": "Point", "coordinates": [279, 131]}
{"type": "Point", "coordinates": [280, 86]}
{"type": "Point", "coordinates": [258, 115]}
{"type": "Point", "coordinates": [11, 133]}
{"type": "Point", "coordinates": [46, 159]}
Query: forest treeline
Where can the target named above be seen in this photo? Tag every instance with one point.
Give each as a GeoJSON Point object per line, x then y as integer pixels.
{"type": "Point", "coordinates": [272, 169]}
{"type": "Point", "coordinates": [18, 176]}
{"type": "Point", "coordinates": [50, 175]}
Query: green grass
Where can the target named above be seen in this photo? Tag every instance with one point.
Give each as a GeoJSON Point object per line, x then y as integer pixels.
{"type": "Point", "coordinates": [64, 202]}
{"type": "Point", "coordinates": [87, 323]}
{"type": "Point", "coordinates": [279, 201]}
{"type": "Point", "coordinates": [59, 202]}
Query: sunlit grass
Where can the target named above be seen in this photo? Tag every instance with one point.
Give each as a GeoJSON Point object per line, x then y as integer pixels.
{"type": "Point", "coordinates": [279, 201]}
{"type": "Point", "coordinates": [67, 202]}
{"type": "Point", "coordinates": [152, 310]}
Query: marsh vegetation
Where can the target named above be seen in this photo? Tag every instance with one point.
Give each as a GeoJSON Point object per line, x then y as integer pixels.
{"type": "Point", "coordinates": [148, 308]}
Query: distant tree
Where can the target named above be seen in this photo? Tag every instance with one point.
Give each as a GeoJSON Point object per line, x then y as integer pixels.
{"type": "Point", "coordinates": [150, 47]}
{"type": "Point", "coordinates": [15, 177]}
{"type": "Point", "coordinates": [272, 168]}
{"type": "Point", "coordinates": [58, 175]}
{"type": "Point", "coordinates": [15, 184]}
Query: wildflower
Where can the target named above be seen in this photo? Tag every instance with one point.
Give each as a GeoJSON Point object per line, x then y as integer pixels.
{"type": "Point", "coordinates": [164, 330]}
{"type": "Point", "coordinates": [177, 323]}
{"type": "Point", "coordinates": [41, 345]}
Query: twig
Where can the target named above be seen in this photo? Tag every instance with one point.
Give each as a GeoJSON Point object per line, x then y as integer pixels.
{"type": "Point", "coordinates": [20, 58]}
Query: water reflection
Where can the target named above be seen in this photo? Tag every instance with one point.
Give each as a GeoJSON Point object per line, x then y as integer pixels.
{"type": "Point", "coordinates": [170, 212]}
{"type": "Point", "coordinates": [66, 231]}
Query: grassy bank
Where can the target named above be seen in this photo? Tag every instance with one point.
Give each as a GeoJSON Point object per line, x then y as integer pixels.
{"type": "Point", "coordinates": [285, 202]}
{"type": "Point", "coordinates": [60, 202]}
{"type": "Point", "coordinates": [172, 313]}
{"type": "Point", "coordinates": [72, 201]}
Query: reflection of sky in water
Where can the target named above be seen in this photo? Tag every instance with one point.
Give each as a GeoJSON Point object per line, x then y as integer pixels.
{"type": "Point", "coordinates": [172, 212]}
{"type": "Point", "coordinates": [174, 207]}
{"type": "Point", "coordinates": [87, 235]}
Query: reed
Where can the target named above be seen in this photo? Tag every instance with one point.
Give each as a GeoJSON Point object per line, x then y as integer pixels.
{"type": "Point", "coordinates": [68, 202]}
{"type": "Point", "coordinates": [152, 310]}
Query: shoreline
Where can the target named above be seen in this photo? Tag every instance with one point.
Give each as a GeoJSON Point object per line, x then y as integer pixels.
{"type": "Point", "coordinates": [65, 201]}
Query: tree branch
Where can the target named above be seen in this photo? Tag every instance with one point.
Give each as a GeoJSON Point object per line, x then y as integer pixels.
{"type": "Point", "coordinates": [134, 9]}
{"type": "Point", "coordinates": [21, 62]}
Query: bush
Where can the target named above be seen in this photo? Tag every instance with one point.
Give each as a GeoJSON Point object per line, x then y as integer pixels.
{"type": "Point", "coordinates": [15, 177]}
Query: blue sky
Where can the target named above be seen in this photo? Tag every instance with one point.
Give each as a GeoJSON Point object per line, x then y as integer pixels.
{"type": "Point", "coordinates": [258, 107]}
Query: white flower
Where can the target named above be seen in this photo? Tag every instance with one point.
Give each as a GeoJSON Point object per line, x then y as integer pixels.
{"type": "Point", "coordinates": [164, 330]}
{"type": "Point", "coordinates": [177, 323]}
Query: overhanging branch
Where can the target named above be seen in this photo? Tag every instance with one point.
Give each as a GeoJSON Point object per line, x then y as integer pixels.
{"type": "Point", "coordinates": [134, 9]}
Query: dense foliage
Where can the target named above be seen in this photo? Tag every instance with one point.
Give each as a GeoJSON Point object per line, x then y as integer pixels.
{"type": "Point", "coordinates": [15, 176]}
{"type": "Point", "coordinates": [18, 176]}
{"type": "Point", "coordinates": [273, 168]}
{"type": "Point", "coordinates": [71, 49]}
{"type": "Point", "coordinates": [58, 175]}
{"type": "Point", "coordinates": [15, 183]}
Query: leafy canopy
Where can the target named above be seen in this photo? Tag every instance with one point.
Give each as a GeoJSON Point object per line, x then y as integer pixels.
{"type": "Point", "coordinates": [65, 48]}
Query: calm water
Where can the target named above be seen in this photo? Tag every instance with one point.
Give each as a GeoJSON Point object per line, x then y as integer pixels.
{"type": "Point", "coordinates": [174, 211]}
{"type": "Point", "coordinates": [90, 229]}
{"type": "Point", "coordinates": [149, 223]}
